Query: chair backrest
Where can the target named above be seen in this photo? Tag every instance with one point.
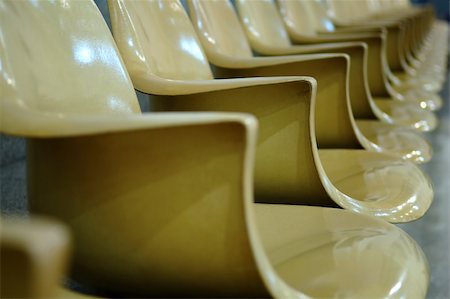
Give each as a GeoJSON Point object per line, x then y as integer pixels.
{"type": "Point", "coordinates": [298, 16]}
{"type": "Point", "coordinates": [157, 38]}
{"type": "Point", "coordinates": [373, 6]}
{"type": "Point", "coordinates": [219, 29]}
{"type": "Point", "coordinates": [263, 23]}
{"type": "Point", "coordinates": [80, 73]}
{"type": "Point", "coordinates": [344, 11]}
{"type": "Point", "coordinates": [322, 22]}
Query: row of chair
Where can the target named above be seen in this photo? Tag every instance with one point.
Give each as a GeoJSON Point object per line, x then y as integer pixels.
{"type": "Point", "coordinates": [234, 190]}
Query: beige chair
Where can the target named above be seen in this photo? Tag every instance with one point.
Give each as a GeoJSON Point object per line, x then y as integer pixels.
{"type": "Point", "coordinates": [34, 254]}
{"type": "Point", "coordinates": [380, 74]}
{"type": "Point", "coordinates": [226, 46]}
{"type": "Point", "coordinates": [303, 156]}
{"type": "Point", "coordinates": [420, 62]}
{"type": "Point", "coordinates": [162, 204]}
{"type": "Point", "coordinates": [266, 33]}
{"type": "Point", "coordinates": [305, 18]}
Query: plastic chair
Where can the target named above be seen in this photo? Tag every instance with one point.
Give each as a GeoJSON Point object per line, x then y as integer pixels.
{"type": "Point", "coordinates": [304, 18]}
{"type": "Point", "coordinates": [266, 33]}
{"type": "Point", "coordinates": [379, 72]}
{"type": "Point", "coordinates": [289, 168]}
{"type": "Point", "coordinates": [226, 46]}
{"type": "Point", "coordinates": [415, 28]}
{"type": "Point", "coordinates": [415, 66]}
{"type": "Point", "coordinates": [34, 255]}
{"type": "Point", "coordinates": [162, 205]}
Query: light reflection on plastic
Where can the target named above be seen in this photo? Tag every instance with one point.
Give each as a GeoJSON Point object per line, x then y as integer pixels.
{"type": "Point", "coordinates": [35, 3]}
{"type": "Point", "coordinates": [191, 46]}
{"type": "Point", "coordinates": [83, 53]}
{"type": "Point", "coordinates": [175, 6]}
{"type": "Point", "coordinates": [397, 286]}
{"type": "Point", "coordinates": [130, 42]}
{"type": "Point", "coordinates": [65, 3]}
{"type": "Point", "coordinates": [328, 25]}
{"type": "Point", "coordinates": [116, 103]}
{"type": "Point", "coordinates": [88, 52]}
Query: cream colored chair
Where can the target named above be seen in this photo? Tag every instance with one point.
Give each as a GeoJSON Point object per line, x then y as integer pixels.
{"type": "Point", "coordinates": [415, 66]}
{"type": "Point", "coordinates": [227, 48]}
{"type": "Point", "coordinates": [304, 18]}
{"type": "Point", "coordinates": [266, 33]}
{"type": "Point", "coordinates": [307, 149]}
{"type": "Point", "coordinates": [398, 90]}
{"type": "Point", "coordinates": [34, 254]}
{"type": "Point", "coordinates": [162, 205]}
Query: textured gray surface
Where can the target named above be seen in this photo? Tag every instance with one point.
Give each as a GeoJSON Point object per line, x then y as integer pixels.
{"type": "Point", "coordinates": [12, 176]}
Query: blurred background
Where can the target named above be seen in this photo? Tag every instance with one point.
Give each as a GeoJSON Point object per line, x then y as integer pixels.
{"type": "Point", "coordinates": [440, 6]}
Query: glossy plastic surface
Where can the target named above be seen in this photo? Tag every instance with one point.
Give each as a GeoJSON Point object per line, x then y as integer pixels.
{"type": "Point", "coordinates": [300, 19]}
{"type": "Point", "coordinates": [398, 140]}
{"type": "Point", "coordinates": [413, 26]}
{"type": "Point", "coordinates": [406, 114]}
{"type": "Point", "coordinates": [223, 50]}
{"type": "Point", "coordinates": [265, 41]}
{"type": "Point", "coordinates": [300, 181]}
{"type": "Point", "coordinates": [298, 16]}
{"type": "Point", "coordinates": [148, 196]}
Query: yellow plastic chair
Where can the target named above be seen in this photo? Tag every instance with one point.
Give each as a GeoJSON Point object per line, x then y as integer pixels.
{"type": "Point", "coordinates": [162, 205]}
{"type": "Point", "coordinates": [266, 33]}
{"type": "Point", "coordinates": [34, 254]}
{"type": "Point", "coordinates": [415, 66]}
{"type": "Point", "coordinates": [226, 47]}
{"type": "Point", "coordinates": [398, 30]}
{"type": "Point", "coordinates": [379, 72]}
{"type": "Point", "coordinates": [419, 21]}
{"type": "Point", "coordinates": [304, 19]}
{"type": "Point", "coordinates": [303, 156]}
{"type": "Point", "coordinates": [295, 13]}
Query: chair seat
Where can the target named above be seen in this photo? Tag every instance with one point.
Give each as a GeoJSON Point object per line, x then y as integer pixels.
{"type": "Point", "coordinates": [406, 114]}
{"type": "Point", "coordinates": [379, 183]}
{"type": "Point", "coordinates": [406, 82]}
{"type": "Point", "coordinates": [397, 140]}
{"type": "Point", "coordinates": [342, 254]}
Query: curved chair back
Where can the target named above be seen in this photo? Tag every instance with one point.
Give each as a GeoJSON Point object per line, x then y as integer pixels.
{"type": "Point", "coordinates": [263, 23]}
{"type": "Point", "coordinates": [149, 22]}
{"type": "Point", "coordinates": [219, 29]}
{"type": "Point", "coordinates": [373, 6]}
{"type": "Point", "coordinates": [322, 22]}
{"type": "Point", "coordinates": [298, 16]}
{"type": "Point", "coordinates": [85, 76]}
{"type": "Point", "coordinates": [136, 198]}
{"type": "Point", "coordinates": [348, 11]}
{"type": "Point", "coordinates": [342, 10]}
